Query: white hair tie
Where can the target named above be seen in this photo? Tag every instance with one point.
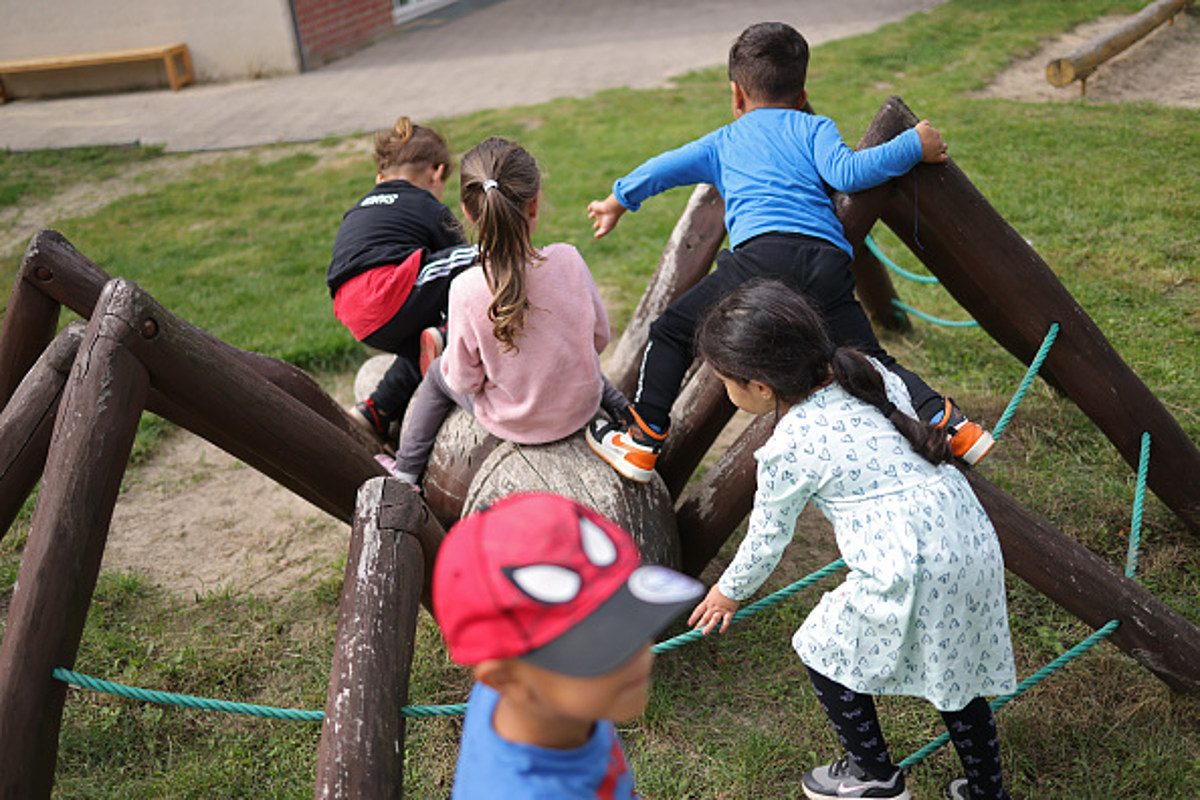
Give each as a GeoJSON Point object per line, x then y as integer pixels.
{"type": "Point", "coordinates": [489, 184]}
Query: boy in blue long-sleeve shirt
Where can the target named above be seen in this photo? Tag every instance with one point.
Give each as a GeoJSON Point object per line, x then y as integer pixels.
{"type": "Point", "coordinates": [773, 166]}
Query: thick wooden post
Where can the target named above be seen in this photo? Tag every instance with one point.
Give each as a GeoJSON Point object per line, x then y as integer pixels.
{"type": "Point", "coordinates": [92, 440]}
{"type": "Point", "coordinates": [30, 320]}
{"type": "Point", "coordinates": [27, 422]}
{"type": "Point", "coordinates": [362, 737]}
{"type": "Point", "coordinates": [1004, 284]}
{"type": "Point", "coordinates": [686, 259]}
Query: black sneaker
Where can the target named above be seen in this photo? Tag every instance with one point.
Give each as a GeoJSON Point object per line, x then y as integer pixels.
{"type": "Point", "coordinates": [368, 415]}
{"type": "Point", "coordinates": [844, 778]}
{"type": "Point", "coordinates": [958, 789]}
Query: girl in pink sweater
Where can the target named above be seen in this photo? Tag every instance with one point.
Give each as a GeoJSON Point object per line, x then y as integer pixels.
{"type": "Point", "coordinates": [525, 326]}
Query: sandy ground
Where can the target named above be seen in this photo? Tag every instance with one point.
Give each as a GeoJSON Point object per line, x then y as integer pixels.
{"type": "Point", "coordinates": [196, 520]}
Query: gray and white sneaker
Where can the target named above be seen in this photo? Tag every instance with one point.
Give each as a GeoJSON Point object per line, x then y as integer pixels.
{"type": "Point", "coordinates": [844, 778]}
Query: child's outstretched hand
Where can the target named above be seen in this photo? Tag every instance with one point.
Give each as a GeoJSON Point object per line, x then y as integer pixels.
{"type": "Point", "coordinates": [933, 147]}
{"type": "Point", "coordinates": [714, 609]}
{"type": "Point", "coordinates": [604, 214]}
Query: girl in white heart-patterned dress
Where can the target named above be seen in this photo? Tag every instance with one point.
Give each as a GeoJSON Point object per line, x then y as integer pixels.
{"type": "Point", "coordinates": [922, 611]}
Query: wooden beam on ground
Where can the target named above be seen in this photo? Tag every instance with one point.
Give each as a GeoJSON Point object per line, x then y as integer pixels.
{"type": "Point", "coordinates": [1081, 62]}
{"type": "Point", "coordinates": [1005, 285]}
{"type": "Point", "coordinates": [105, 395]}
{"type": "Point", "coordinates": [27, 422]}
{"type": "Point", "coordinates": [361, 753]}
{"type": "Point", "coordinates": [686, 259]}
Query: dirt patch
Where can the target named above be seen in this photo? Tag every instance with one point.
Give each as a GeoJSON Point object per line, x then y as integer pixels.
{"type": "Point", "coordinates": [1162, 68]}
{"type": "Point", "coordinates": [196, 520]}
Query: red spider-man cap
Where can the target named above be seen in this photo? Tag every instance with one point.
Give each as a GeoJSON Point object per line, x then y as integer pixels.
{"type": "Point", "coordinates": [542, 578]}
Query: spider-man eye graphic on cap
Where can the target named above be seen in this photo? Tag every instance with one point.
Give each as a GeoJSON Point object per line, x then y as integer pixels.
{"type": "Point", "coordinates": [560, 583]}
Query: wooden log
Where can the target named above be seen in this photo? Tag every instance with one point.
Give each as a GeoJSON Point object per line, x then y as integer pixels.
{"type": "Point", "coordinates": [569, 468]}
{"type": "Point", "coordinates": [699, 415]}
{"type": "Point", "coordinates": [462, 447]}
{"type": "Point", "coordinates": [64, 276]}
{"type": "Point", "coordinates": [27, 422]}
{"type": "Point", "coordinates": [1158, 636]}
{"type": "Point", "coordinates": [258, 422]}
{"type": "Point", "coordinates": [1082, 61]}
{"type": "Point", "coordinates": [875, 291]}
{"type": "Point", "coordinates": [1004, 284]}
{"type": "Point", "coordinates": [105, 395]}
{"type": "Point", "coordinates": [361, 753]}
{"type": "Point", "coordinates": [716, 505]}
{"type": "Point", "coordinates": [30, 320]}
{"type": "Point", "coordinates": [686, 259]}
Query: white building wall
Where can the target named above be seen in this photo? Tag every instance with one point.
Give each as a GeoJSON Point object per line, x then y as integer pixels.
{"type": "Point", "coordinates": [228, 39]}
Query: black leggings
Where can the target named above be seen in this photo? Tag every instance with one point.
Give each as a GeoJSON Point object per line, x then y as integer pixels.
{"type": "Point", "coordinates": [809, 265]}
{"type": "Point", "coordinates": [972, 729]}
{"type": "Point", "coordinates": [425, 307]}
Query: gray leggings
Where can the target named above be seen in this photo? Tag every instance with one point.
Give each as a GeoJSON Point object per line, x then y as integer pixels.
{"type": "Point", "coordinates": [432, 402]}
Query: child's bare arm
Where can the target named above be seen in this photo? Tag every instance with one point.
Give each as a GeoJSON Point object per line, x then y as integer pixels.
{"type": "Point", "coordinates": [604, 214]}
{"type": "Point", "coordinates": [933, 147]}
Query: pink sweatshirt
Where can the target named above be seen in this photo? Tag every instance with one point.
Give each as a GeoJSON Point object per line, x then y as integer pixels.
{"type": "Point", "coordinates": [550, 386]}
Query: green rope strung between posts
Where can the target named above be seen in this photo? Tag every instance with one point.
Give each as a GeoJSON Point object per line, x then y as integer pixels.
{"type": "Point", "coordinates": [945, 323]}
{"type": "Point", "coordinates": [1034, 367]}
{"type": "Point", "coordinates": [754, 608]}
{"type": "Point", "coordinates": [1139, 499]}
{"type": "Point", "coordinates": [190, 701]}
{"type": "Point", "coordinates": [893, 266]}
{"type": "Point", "coordinates": [300, 715]}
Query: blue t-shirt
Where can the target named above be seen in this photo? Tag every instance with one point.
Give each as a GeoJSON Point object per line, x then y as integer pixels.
{"type": "Point", "coordinates": [490, 767]}
{"type": "Point", "coordinates": [773, 167]}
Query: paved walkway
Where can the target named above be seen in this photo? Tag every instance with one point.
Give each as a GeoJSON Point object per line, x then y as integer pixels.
{"type": "Point", "coordinates": [475, 55]}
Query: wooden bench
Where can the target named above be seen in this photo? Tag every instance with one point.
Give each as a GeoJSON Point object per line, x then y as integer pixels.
{"type": "Point", "coordinates": [174, 56]}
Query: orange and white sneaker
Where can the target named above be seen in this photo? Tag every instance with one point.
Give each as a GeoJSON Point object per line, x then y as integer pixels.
{"type": "Point", "coordinates": [628, 444]}
{"type": "Point", "coordinates": [969, 441]}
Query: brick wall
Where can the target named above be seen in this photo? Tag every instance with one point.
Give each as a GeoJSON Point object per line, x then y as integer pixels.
{"type": "Point", "coordinates": [332, 28]}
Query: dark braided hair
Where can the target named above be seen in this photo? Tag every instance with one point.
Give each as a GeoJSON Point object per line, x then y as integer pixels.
{"type": "Point", "coordinates": [767, 332]}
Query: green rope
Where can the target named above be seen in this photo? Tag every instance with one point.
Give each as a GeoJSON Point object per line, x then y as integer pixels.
{"type": "Point", "coordinates": [1034, 366]}
{"type": "Point", "coordinates": [893, 266]}
{"type": "Point", "coordinates": [1024, 686]}
{"type": "Point", "coordinates": [189, 701]}
{"type": "Point", "coordinates": [754, 608]}
{"type": "Point", "coordinates": [1139, 499]}
{"type": "Point", "coordinates": [945, 323]}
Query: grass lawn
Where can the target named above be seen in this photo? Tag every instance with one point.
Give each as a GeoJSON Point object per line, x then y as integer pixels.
{"type": "Point", "coordinates": [1106, 194]}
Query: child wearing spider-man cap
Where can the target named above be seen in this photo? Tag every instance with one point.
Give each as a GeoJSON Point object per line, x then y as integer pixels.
{"type": "Point", "coordinates": [550, 605]}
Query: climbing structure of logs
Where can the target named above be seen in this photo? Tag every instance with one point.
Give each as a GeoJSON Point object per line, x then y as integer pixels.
{"type": "Point", "coordinates": [71, 404]}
